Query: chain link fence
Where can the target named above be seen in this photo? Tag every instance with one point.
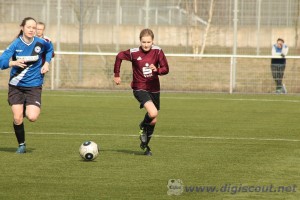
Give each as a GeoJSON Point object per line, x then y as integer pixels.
{"type": "Point", "coordinates": [192, 27]}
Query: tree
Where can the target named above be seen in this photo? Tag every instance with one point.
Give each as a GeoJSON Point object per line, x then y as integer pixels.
{"type": "Point", "coordinates": [297, 24]}
{"type": "Point", "coordinates": [81, 10]}
{"type": "Point", "coordinates": [211, 8]}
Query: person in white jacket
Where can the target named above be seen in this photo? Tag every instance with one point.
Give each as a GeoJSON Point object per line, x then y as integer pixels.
{"type": "Point", "coordinates": [280, 50]}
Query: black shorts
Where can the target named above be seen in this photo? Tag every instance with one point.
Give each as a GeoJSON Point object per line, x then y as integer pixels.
{"type": "Point", "coordinates": [24, 95]}
{"type": "Point", "coordinates": [143, 96]}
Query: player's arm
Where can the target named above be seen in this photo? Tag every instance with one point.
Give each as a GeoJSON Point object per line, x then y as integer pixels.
{"type": "Point", "coordinates": [274, 53]}
{"type": "Point", "coordinates": [5, 59]}
{"type": "Point", "coordinates": [45, 68]}
{"type": "Point", "coordinates": [48, 51]}
{"type": "Point", "coordinates": [163, 64]}
{"type": "Point", "coordinates": [48, 57]}
{"type": "Point", "coordinates": [284, 51]}
{"type": "Point", "coordinates": [123, 55]}
{"type": "Point", "coordinates": [53, 54]}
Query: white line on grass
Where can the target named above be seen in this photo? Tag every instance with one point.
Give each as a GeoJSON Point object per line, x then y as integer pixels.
{"type": "Point", "coordinates": [264, 100]}
{"type": "Point", "coordinates": [168, 136]}
{"type": "Point", "coordinates": [181, 98]}
{"type": "Point", "coordinates": [166, 97]}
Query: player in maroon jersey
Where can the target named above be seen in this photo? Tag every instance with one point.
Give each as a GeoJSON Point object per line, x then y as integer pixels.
{"type": "Point", "coordinates": [148, 62]}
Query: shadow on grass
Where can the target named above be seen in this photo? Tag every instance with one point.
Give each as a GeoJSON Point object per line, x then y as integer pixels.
{"type": "Point", "coordinates": [14, 149]}
{"type": "Point", "coordinates": [130, 152]}
{"type": "Point", "coordinates": [8, 149]}
{"type": "Point", "coordinates": [126, 151]}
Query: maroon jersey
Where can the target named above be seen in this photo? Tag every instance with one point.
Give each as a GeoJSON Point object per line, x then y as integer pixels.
{"type": "Point", "coordinates": [143, 77]}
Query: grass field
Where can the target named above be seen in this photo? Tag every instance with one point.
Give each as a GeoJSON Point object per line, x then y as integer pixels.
{"type": "Point", "coordinates": [244, 146]}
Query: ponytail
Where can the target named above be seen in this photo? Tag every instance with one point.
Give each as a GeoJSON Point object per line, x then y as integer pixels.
{"type": "Point", "coordinates": [20, 33]}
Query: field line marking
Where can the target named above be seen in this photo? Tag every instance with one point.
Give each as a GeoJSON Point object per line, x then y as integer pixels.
{"type": "Point", "coordinates": [165, 97]}
{"type": "Point", "coordinates": [229, 138]}
{"type": "Point", "coordinates": [184, 98]}
{"type": "Point", "coordinates": [167, 136]}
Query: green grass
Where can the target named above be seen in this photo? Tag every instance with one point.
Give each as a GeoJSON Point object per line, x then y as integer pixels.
{"type": "Point", "coordinates": [202, 139]}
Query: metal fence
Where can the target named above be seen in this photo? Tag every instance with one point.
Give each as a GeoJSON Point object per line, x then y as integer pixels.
{"type": "Point", "coordinates": [214, 27]}
{"type": "Point", "coordinates": [167, 12]}
{"type": "Point", "coordinates": [209, 23]}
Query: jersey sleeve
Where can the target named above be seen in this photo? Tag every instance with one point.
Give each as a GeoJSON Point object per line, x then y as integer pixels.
{"type": "Point", "coordinates": [274, 51]}
{"type": "Point", "coordinates": [53, 54]}
{"type": "Point", "coordinates": [285, 50]}
{"type": "Point", "coordinates": [123, 55]}
{"type": "Point", "coordinates": [6, 56]}
{"type": "Point", "coordinates": [163, 64]}
{"type": "Point", "coordinates": [48, 51]}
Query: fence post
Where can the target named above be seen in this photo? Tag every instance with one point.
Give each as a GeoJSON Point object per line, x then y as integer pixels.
{"type": "Point", "coordinates": [231, 75]}
{"type": "Point", "coordinates": [52, 75]}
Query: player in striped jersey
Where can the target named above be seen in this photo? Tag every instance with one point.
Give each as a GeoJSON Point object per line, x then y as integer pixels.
{"type": "Point", "coordinates": [148, 63]}
{"type": "Point", "coordinates": [24, 57]}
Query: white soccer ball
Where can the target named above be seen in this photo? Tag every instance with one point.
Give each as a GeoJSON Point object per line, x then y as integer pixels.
{"type": "Point", "coordinates": [89, 150]}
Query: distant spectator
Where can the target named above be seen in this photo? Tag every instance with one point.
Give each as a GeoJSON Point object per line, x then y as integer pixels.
{"type": "Point", "coordinates": [278, 65]}
{"type": "Point", "coordinates": [40, 29]}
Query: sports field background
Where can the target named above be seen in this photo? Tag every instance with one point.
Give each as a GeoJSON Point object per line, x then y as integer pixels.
{"type": "Point", "coordinates": [201, 139]}
{"type": "Point", "coordinates": [87, 35]}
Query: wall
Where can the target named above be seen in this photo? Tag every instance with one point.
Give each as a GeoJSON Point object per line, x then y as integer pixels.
{"type": "Point", "coordinates": [164, 35]}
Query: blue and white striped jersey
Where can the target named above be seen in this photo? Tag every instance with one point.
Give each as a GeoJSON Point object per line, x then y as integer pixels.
{"type": "Point", "coordinates": [33, 53]}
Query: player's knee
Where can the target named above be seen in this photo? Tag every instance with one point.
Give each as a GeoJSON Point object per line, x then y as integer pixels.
{"type": "Point", "coordinates": [18, 120]}
{"type": "Point", "coordinates": [153, 122]}
{"type": "Point", "coordinates": [32, 118]}
{"type": "Point", "coordinates": [153, 114]}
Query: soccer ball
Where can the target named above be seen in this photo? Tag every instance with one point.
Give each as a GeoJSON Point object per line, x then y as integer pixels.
{"type": "Point", "coordinates": [89, 150]}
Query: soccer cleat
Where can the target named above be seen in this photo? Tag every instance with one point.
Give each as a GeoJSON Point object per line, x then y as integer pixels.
{"type": "Point", "coordinates": [21, 149]}
{"type": "Point", "coordinates": [278, 91]}
{"type": "Point", "coordinates": [148, 151]}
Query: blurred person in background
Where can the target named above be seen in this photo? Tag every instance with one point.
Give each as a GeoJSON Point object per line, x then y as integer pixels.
{"type": "Point", "coordinates": [278, 64]}
{"type": "Point", "coordinates": [40, 29]}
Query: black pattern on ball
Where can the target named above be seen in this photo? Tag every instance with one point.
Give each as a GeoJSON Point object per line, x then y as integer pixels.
{"type": "Point", "coordinates": [89, 156]}
{"type": "Point", "coordinates": [87, 143]}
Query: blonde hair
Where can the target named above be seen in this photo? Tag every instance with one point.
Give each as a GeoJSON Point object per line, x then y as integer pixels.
{"type": "Point", "coordinates": [146, 32]}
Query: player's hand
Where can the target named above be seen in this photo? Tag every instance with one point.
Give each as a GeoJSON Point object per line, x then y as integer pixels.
{"type": "Point", "coordinates": [282, 55]}
{"type": "Point", "coordinates": [117, 80]}
{"type": "Point", "coordinates": [153, 68]}
{"type": "Point", "coordinates": [19, 63]}
{"type": "Point", "coordinates": [45, 68]}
